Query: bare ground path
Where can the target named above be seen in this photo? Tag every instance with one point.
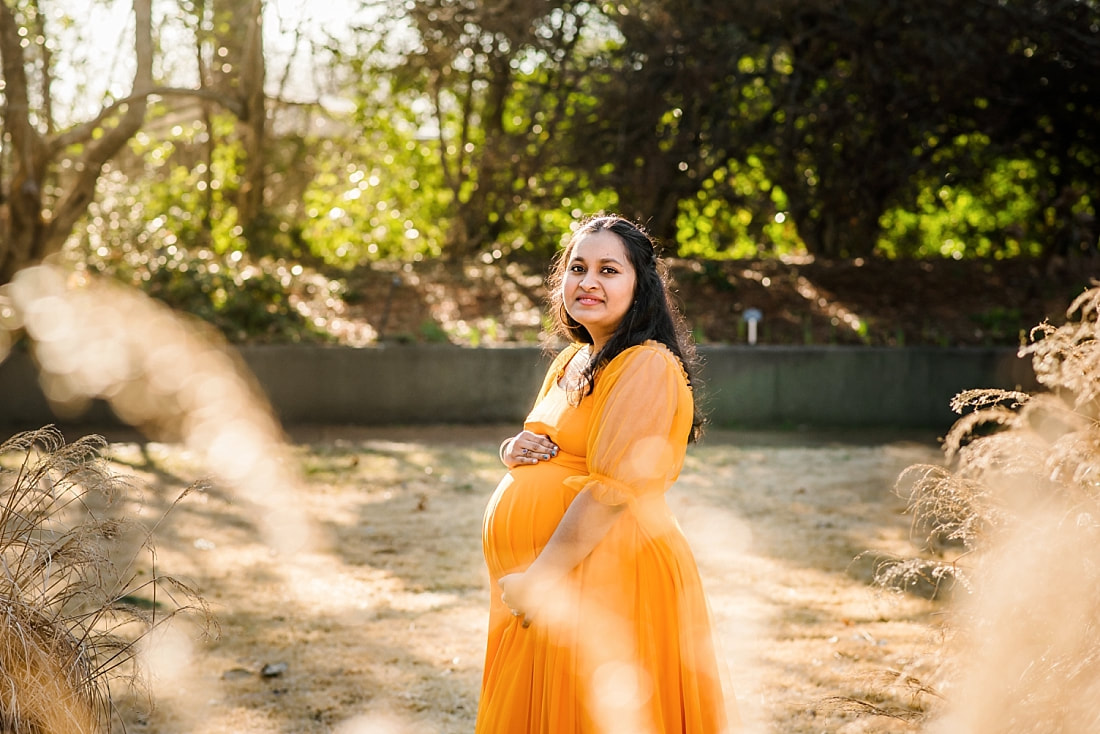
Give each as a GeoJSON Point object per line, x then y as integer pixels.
{"type": "Point", "coordinates": [381, 624]}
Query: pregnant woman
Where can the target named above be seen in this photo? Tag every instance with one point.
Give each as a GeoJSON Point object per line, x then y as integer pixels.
{"type": "Point", "coordinates": [598, 622]}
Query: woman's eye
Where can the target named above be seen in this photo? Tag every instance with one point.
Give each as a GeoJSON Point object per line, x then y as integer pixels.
{"type": "Point", "coordinates": [610, 270]}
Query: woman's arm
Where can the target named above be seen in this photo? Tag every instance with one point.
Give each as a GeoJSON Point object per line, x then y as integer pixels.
{"type": "Point", "coordinates": [585, 523]}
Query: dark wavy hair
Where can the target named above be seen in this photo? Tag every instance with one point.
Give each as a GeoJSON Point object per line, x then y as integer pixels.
{"type": "Point", "coordinates": [652, 314]}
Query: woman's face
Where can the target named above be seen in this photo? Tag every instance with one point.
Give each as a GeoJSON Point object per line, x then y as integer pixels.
{"type": "Point", "coordinates": [598, 286]}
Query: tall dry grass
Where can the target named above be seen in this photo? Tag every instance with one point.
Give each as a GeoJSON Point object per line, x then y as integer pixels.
{"type": "Point", "coordinates": [1012, 525]}
{"type": "Point", "coordinates": [69, 627]}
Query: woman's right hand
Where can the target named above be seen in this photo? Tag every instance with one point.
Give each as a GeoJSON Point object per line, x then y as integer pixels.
{"type": "Point", "coordinates": [527, 448]}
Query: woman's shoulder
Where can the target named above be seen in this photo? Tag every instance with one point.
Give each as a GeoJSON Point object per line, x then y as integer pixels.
{"type": "Point", "coordinates": [650, 355]}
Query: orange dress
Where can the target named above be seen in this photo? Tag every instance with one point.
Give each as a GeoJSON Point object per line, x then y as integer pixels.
{"type": "Point", "coordinates": [625, 643]}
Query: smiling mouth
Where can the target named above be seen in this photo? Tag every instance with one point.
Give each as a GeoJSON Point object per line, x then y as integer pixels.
{"type": "Point", "coordinates": [588, 301]}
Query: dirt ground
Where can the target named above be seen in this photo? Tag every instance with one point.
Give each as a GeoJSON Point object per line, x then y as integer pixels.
{"type": "Point", "coordinates": [379, 625]}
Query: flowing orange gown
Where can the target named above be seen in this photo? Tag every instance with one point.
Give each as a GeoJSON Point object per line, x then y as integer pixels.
{"type": "Point", "coordinates": [624, 644]}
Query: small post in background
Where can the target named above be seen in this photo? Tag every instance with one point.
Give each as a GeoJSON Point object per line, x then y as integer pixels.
{"type": "Point", "coordinates": [752, 317]}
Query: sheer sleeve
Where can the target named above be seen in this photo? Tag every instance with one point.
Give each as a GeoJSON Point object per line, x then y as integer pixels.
{"type": "Point", "coordinates": [641, 417]}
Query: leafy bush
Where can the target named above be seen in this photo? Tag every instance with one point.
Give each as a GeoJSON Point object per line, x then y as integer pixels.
{"type": "Point", "coordinates": [247, 299]}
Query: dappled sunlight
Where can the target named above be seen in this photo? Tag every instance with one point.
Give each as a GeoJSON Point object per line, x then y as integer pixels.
{"type": "Point", "coordinates": [776, 521]}
{"type": "Point", "coordinates": [175, 380]}
{"type": "Point", "coordinates": [831, 307]}
{"type": "Point", "coordinates": [458, 309]}
{"type": "Point", "coordinates": [375, 624]}
{"type": "Point", "coordinates": [785, 627]}
{"type": "Point", "coordinates": [818, 302]}
{"type": "Point", "coordinates": [355, 589]}
{"type": "Point", "coordinates": [383, 623]}
{"type": "Point", "coordinates": [381, 724]}
{"type": "Point", "coordinates": [380, 619]}
{"type": "Point", "coordinates": [479, 304]}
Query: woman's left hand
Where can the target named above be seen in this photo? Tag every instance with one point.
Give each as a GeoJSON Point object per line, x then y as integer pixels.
{"type": "Point", "coordinates": [516, 595]}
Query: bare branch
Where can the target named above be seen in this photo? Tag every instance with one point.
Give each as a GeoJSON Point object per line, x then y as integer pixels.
{"type": "Point", "coordinates": [73, 206]}
{"type": "Point", "coordinates": [84, 131]}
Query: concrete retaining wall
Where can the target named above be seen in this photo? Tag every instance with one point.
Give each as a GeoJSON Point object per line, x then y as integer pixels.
{"type": "Point", "coordinates": [750, 387]}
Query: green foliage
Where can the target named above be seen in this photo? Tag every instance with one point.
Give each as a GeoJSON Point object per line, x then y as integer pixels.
{"type": "Point", "coordinates": [189, 199]}
{"type": "Point", "coordinates": [757, 224]}
{"type": "Point", "coordinates": [247, 300]}
{"type": "Point", "coordinates": [363, 207]}
{"type": "Point", "coordinates": [376, 194]}
{"type": "Point", "coordinates": [172, 231]}
{"type": "Point", "coordinates": [999, 322]}
{"type": "Point", "coordinates": [872, 127]}
{"type": "Point", "coordinates": [431, 331]}
{"type": "Point", "coordinates": [998, 216]}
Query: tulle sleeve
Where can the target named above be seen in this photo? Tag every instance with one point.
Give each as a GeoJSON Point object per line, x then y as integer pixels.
{"type": "Point", "coordinates": [641, 418]}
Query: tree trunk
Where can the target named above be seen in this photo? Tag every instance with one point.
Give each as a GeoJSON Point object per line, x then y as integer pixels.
{"type": "Point", "coordinates": [250, 201]}
{"type": "Point", "coordinates": [30, 232]}
{"type": "Point", "coordinates": [21, 214]}
{"type": "Point", "coordinates": [238, 71]}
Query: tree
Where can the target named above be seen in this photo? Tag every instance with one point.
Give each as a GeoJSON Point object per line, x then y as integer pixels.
{"type": "Point", "coordinates": [840, 112]}
{"type": "Point", "coordinates": [664, 110]}
{"type": "Point", "coordinates": [48, 176]}
{"type": "Point", "coordinates": [499, 80]}
{"type": "Point", "coordinates": [1041, 103]}
{"type": "Point", "coordinates": [234, 66]}
{"type": "Point", "coordinates": [39, 207]}
{"type": "Point", "coordinates": [874, 100]}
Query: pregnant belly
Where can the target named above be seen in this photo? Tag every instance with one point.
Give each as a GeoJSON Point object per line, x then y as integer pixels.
{"type": "Point", "coordinates": [522, 514]}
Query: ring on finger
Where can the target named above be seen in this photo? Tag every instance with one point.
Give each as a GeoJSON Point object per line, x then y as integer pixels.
{"type": "Point", "coordinates": [526, 452]}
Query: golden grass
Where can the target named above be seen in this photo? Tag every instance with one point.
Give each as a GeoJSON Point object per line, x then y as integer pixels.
{"type": "Point", "coordinates": [68, 623]}
{"type": "Point", "coordinates": [1013, 520]}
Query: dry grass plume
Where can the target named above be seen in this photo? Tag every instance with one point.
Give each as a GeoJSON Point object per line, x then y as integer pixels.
{"type": "Point", "coordinates": [1011, 525]}
{"type": "Point", "coordinates": [69, 621]}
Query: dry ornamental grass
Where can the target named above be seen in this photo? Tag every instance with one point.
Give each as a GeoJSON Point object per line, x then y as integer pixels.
{"type": "Point", "coordinates": [69, 622]}
{"type": "Point", "coordinates": [1015, 518]}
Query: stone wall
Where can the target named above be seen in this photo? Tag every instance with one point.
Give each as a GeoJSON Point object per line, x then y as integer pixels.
{"type": "Point", "coordinates": [746, 387]}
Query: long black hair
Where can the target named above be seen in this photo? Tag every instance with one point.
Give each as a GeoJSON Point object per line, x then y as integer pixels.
{"type": "Point", "coordinates": [652, 314]}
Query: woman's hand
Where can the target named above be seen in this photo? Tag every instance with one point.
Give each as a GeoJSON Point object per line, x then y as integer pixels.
{"type": "Point", "coordinates": [527, 448]}
{"type": "Point", "coordinates": [519, 595]}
